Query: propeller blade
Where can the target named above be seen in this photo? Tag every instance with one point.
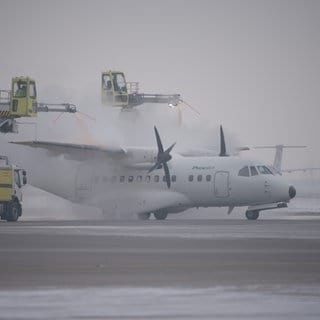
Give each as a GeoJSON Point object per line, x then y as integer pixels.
{"type": "Point", "coordinates": [170, 148]}
{"type": "Point", "coordinates": [223, 152]}
{"type": "Point", "coordinates": [159, 143]}
{"type": "Point", "coordinates": [154, 167]}
{"type": "Point", "coordinates": [167, 174]}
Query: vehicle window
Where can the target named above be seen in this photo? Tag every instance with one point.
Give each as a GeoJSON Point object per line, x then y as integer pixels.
{"type": "Point", "coordinates": [130, 179]}
{"type": "Point", "coordinates": [122, 178]}
{"type": "Point", "coordinates": [199, 178]}
{"type": "Point", "coordinates": [264, 170]}
{"type": "Point", "coordinates": [32, 90]}
{"type": "Point", "coordinates": [20, 89]}
{"type": "Point", "coordinates": [244, 172]}
{"type": "Point", "coordinates": [173, 178]}
{"type": "Point", "coordinates": [156, 178]}
{"type": "Point", "coordinates": [190, 178]}
{"type": "Point", "coordinates": [106, 83]}
{"type": "Point", "coordinates": [253, 171]}
{"type": "Point", "coordinates": [208, 177]}
{"type": "Point", "coordinates": [147, 178]}
{"type": "Point", "coordinates": [17, 179]}
{"type": "Point", "coordinates": [139, 178]}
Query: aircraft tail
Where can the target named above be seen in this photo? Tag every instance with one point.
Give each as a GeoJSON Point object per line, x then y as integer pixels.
{"type": "Point", "coordinates": [277, 162]}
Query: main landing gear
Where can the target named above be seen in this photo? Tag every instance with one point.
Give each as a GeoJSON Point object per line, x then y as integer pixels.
{"type": "Point", "coordinates": [252, 214]}
{"type": "Point", "coordinates": [159, 215]}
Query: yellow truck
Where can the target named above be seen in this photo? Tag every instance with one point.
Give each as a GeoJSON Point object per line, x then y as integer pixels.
{"type": "Point", "coordinates": [12, 179]}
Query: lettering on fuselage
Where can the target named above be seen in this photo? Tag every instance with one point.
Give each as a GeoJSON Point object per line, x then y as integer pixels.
{"type": "Point", "coordinates": [203, 168]}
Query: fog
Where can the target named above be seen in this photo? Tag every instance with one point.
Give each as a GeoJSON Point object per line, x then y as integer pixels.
{"type": "Point", "coordinates": [249, 65]}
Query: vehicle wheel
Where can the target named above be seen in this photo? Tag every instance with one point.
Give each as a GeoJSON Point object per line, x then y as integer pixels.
{"type": "Point", "coordinates": [14, 212]}
{"type": "Point", "coordinates": [160, 215]}
{"type": "Point", "coordinates": [144, 216]}
{"type": "Point", "coordinates": [252, 215]}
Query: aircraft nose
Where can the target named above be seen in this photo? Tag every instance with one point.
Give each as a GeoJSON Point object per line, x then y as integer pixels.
{"type": "Point", "coordinates": [292, 192]}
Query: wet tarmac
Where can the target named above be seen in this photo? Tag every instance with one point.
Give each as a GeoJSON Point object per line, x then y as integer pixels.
{"type": "Point", "coordinates": [264, 261]}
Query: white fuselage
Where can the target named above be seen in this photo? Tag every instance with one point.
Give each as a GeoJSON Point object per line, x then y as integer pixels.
{"type": "Point", "coordinates": [195, 182]}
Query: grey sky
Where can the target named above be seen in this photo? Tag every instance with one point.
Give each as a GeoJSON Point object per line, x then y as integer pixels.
{"type": "Point", "coordinates": [250, 65]}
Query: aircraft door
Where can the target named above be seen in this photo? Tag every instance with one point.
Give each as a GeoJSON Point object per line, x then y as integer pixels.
{"type": "Point", "coordinates": [221, 184]}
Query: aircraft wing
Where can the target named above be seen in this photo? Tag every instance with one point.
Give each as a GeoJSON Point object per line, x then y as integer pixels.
{"type": "Point", "coordinates": [79, 152]}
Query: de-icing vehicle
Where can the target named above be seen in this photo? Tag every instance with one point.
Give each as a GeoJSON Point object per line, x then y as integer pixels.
{"type": "Point", "coordinates": [12, 179]}
{"type": "Point", "coordinates": [21, 101]}
{"type": "Point", "coordinates": [117, 92]}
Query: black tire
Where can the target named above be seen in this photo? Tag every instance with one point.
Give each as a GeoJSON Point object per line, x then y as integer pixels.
{"type": "Point", "coordinates": [144, 216]}
{"type": "Point", "coordinates": [14, 212]}
{"type": "Point", "coordinates": [252, 214]}
{"type": "Point", "coordinates": [160, 215]}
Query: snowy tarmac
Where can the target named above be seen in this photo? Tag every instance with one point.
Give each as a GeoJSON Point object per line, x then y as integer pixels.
{"type": "Point", "coordinates": [173, 269]}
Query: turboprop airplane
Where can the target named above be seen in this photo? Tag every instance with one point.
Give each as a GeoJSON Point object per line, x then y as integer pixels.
{"type": "Point", "coordinates": [143, 181]}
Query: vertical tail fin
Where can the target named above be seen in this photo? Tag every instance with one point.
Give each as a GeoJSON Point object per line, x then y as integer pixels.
{"type": "Point", "coordinates": [277, 162]}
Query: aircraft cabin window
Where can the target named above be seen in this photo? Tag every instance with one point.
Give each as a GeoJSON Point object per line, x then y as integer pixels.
{"type": "Point", "coordinates": [147, 178]}
{"type": "Point", "coordinates": [113, 179]}
{"type": "Point", "coordinates": [208, 177]}
{"type": "Point", "coordinates": [173, 178]}
{"type": "Point", "coordinates": [264, 170]}
{"type": "Point", "coordinates": [254, 171]}
{"type": "Point", "coordinates": [96, 179]}
{"type": "Point", "coordinates": [190, 178]}
{"type": "Point", "coordinates": [199, 178]}
{"type": "Point", "coordinates": [139, 178]}
{"type": "Point", "coordinates": [164, 179]}
{"type": "Point", "coordinates": [244, 172]}
{"type": "Point", "coordinates": [156, 178]}
{"type": "Point", "coordinates": [130, 179]}
{"type": "Point", "coordinates": [122, 178]}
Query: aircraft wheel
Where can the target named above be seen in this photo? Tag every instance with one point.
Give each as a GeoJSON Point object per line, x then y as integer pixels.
{"type": "Point", "coordinates": [14, 212]}
{"type": "Point", "coordinates": [144, 216]}
{"type": "Point", "coordinates": [252, 215]}
{"type": "Point", "coordinates": [160, 215]}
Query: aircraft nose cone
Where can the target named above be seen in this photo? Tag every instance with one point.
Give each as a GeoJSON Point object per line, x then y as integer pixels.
{"type": "Point", "coordinates": [292, 192]}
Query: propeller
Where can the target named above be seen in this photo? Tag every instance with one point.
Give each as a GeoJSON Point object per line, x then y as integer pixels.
{"type": "Point", "coordinates": [223, 152]}
{"type": "Point", "coordinates": [162, 158]}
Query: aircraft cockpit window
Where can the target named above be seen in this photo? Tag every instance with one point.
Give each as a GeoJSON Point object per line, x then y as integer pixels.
{"type": "Point", "coordinates": [253, 171]}
{"type": "Point", "coordinates": [264, 170]}
{"type": "Point", "coordinates": [244, 172]}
